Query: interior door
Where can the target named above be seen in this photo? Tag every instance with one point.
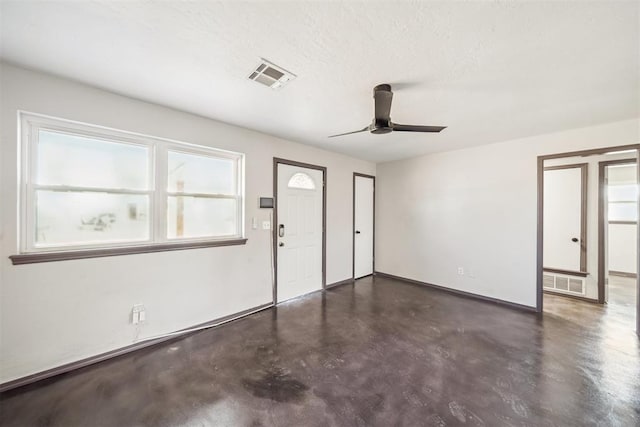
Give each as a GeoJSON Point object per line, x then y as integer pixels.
{"type": "Point", "coordinates": [363, 200]}
{"type": "Point", "coordinates": [564, 223]}
{"type": "Point", "coordinates": [298, 231]}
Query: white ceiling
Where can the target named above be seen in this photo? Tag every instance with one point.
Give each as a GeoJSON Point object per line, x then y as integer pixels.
{"type": "Point", "coordinates": [491, 71]}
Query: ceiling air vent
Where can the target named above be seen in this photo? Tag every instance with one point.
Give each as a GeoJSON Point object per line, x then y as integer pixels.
{"type": "Point", "coordinates": [271, 75]}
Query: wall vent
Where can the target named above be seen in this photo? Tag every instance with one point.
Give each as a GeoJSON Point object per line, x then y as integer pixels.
{"type": "Point", "coordinates": [563, 284]}
{"type": "Point", "coordinates": [549, 281]}
{"type": "Point", "coordinates": [271, 75]}
{"type": "Point", "coordinates": [575, 285]}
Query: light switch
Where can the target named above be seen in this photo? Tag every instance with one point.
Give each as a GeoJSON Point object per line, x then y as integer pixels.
{"type": "Point", "coordinates": [138, 314]}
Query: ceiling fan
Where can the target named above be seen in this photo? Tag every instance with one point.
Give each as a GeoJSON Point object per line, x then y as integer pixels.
{"type": "Point", "coordinates": [382, 123]}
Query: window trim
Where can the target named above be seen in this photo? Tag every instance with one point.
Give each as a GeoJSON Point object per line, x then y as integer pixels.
{"type": "Point", "coordinates": [29, 124]}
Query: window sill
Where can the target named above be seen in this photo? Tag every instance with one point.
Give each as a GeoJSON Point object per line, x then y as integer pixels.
{"type": "Point", "coordinates": [97, 253]}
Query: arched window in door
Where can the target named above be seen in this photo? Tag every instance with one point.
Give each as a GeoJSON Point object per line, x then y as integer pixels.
{"type": "Point", "coordinates": [301, 181]}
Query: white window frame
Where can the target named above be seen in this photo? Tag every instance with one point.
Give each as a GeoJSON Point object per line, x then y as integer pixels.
{"type": "Point", "coordinates": [205, 152]}
{"type": "Point", "coordinates": [30, 124]}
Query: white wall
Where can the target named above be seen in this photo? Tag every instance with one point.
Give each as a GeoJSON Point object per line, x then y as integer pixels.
{"type": "Point", "coordinates": [474, 208]}
{"type": "Point", "coordinates": [59, 312]}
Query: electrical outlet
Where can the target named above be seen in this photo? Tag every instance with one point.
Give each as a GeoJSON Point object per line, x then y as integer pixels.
{"type": "Point", "coordinates": [461, 271]}
{"type": "Point", "coordinates": [266, 225]}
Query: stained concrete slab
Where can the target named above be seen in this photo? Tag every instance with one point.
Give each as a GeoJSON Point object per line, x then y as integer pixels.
{"type": "Point", "coordinates": [376, 353]}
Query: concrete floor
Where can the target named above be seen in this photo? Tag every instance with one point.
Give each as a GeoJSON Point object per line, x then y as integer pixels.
{"type": "Point", "coordinates": [622, 291]}
{"type": "Point", "coordinates": [614, 319]}
{"type": "Point", "coordinates": [379, 352]}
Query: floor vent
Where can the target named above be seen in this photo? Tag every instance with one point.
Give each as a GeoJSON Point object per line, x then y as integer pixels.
{"type": "Point", "coordinates": [565, 284]}
{"type": "Point", "coordinates": [271, 75]}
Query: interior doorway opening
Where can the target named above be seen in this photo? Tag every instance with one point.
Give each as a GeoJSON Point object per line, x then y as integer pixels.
{"type": "Point", "coordinates": [588, 237]}
{"type": "Point", "coordinates": [619, 207]}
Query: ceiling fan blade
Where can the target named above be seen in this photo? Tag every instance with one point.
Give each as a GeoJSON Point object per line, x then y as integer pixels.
{"type": "Point", "coordinates": [383, 97]}
{"type": "Point", "coordinates": [416, 128]}
{"type": "Point", "coordinates": [349, 133]}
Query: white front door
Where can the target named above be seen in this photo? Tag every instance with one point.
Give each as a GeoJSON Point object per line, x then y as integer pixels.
{"type": "Point", "coordinates": [363, 226]}
{"type": "Point", "coordinates": [298, 231]}
{"type": "Point", "coordinates": [563, 220]}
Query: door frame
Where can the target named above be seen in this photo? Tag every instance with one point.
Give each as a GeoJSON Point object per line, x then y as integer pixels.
{"type": "Point", "coordinates": [602, 213]}
{"type": "Point", "coordinates": [353, 230]}
{"type": "Point", "coordinates": [274, 228]}
{"type": "Point", "coordinates": [540, 224]}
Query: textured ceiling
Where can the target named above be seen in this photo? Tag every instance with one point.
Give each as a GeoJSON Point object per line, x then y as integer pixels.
{"type": "Point", "coordinates": [491, 71]}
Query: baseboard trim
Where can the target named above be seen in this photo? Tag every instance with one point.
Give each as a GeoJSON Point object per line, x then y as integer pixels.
{"type": "Point", "coordinates": [459, 292]}
{"type": "Point", "coordinates": [623, 274]}
{"type": "Point", "coordinates": [340, 283]}
{"type": "Point", "coordinates": [578, 297]}
{"type": "Point", "coordinates": [39, 376]}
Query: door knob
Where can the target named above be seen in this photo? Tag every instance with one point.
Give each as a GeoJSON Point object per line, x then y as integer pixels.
{"type": "Point", "coordinates": [281, 244]}
{"type": "Point", "coordinates": [357, 231]}
{"type": "Point", "coordinates": [575, 239]}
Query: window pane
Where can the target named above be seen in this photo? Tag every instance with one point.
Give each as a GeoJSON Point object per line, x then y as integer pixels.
{"type": "Point", "coordinates": [200, 217]}
{"type": "Point", "coordinates": [623, 212]}
{"type": "Point", "coordinates": [192, 173]}
{"type": "Point", "coordinates": [79, 161]}
{"type": "Point", "coordinates": [301, 180]}
{"type": "Point", "coordinates": [88, 217]}
{"type": "Point", "coordinates": [623, 193]}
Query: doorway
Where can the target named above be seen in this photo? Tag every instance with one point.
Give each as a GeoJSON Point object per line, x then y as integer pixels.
{"type": "Point", "coordinates": [363, 224]}
{"type": "Point", "coordinates": [574, 230]}
{"type": "Point", "coordinates": [299, 231]}
{"type": "Point", "coordinates": [618, 208]}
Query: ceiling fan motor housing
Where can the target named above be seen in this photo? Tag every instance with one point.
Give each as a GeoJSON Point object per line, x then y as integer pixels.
{"type": "Point", "coordinates": [381, 126]}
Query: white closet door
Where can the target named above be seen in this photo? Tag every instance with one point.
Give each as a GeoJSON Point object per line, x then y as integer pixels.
{"type": "Point", "coordinates": [363, 220]}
